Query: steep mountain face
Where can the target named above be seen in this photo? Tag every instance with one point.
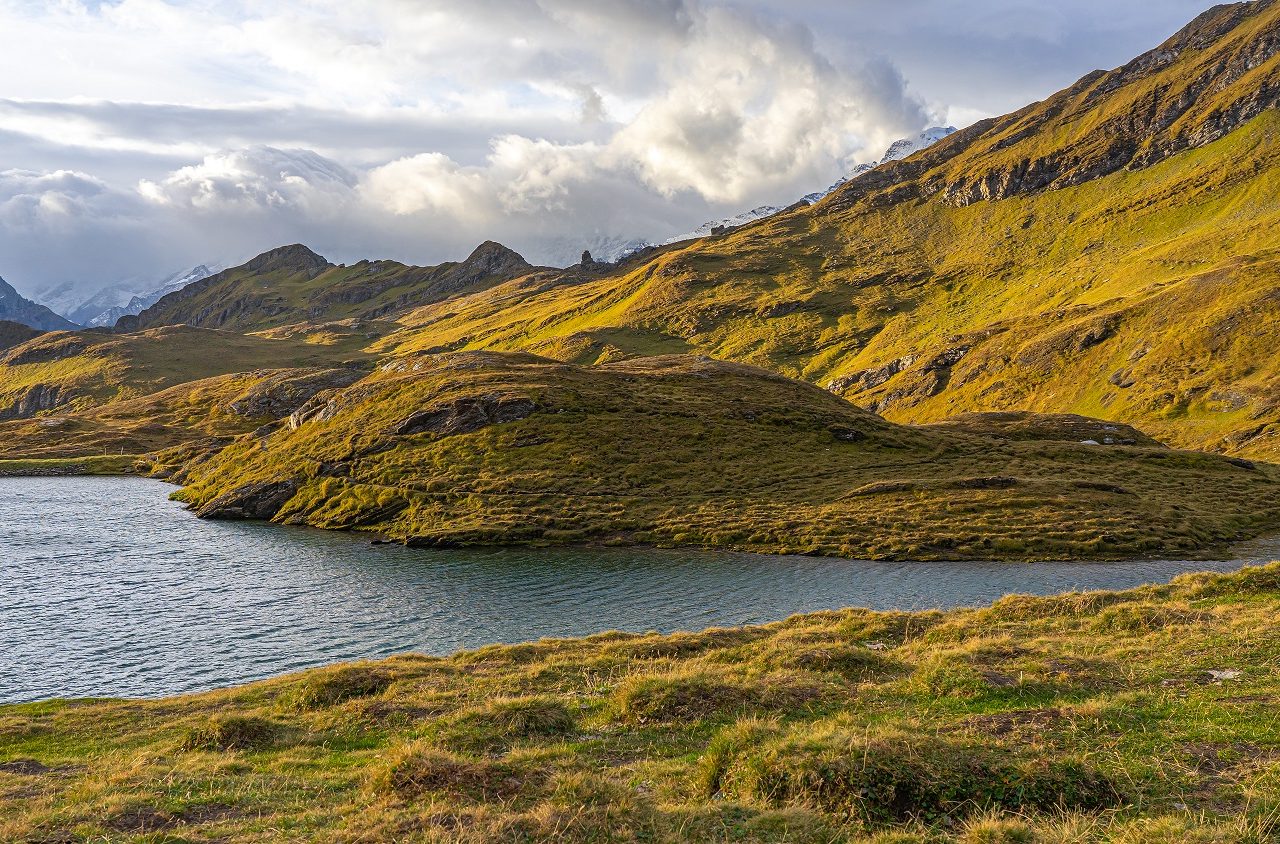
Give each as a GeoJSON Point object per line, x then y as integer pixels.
{"type": "Point", "coordinates": [485, 447]}
{"type": "Point", "coordinates": [292, 284]}
{"type": "Point", "coordinates": [15, 308]}
{"type": "Point", "coordinates": [136, 304]}
{"type": "Point", "coordinates": [1210, 79]}
{"type": "Point", "coordinates": [1109, 252]}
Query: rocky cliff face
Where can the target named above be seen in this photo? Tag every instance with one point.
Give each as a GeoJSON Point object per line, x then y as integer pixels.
{"type": "Point", "coordinates": [1218, 73]}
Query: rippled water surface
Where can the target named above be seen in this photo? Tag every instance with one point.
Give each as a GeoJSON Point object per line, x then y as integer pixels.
{"type": "Point", "coordinates": [107, 588]}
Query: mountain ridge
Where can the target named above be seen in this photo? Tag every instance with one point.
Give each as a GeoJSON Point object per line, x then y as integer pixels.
{"type": "Point", "coordinates": [14, 307]}
{"type": "Point", "coordinates": [294, 284]}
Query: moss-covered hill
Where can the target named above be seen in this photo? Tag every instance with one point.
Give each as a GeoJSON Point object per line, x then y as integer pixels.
{"type": "Point", "coordinates": [505, 448]}
{"type": "Point", "coordinates": [1110, 252]}
{"type": "Point", "coordinates": [1143, 717]}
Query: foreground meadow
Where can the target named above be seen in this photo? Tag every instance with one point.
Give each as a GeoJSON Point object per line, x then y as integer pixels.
{"type": "Point", "coordinates": [1137, 716]}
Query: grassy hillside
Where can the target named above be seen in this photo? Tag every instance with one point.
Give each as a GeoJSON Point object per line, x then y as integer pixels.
{"type": "Point", "coordinates": [1143, 717]}
{"type": "Point", "coordinates": [492, 448]}
{"type": "Point", "coordinates": [1109, 252]}
{"type": "Point", "coordinates": [68, 394]}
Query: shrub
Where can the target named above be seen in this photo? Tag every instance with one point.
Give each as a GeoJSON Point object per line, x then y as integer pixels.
{"type": "Point", "coordinates": [895, 779]}
{"type": "Point", "coordinates": [328, 688]}
{"type": "Point", "coordinates": [232, 732]}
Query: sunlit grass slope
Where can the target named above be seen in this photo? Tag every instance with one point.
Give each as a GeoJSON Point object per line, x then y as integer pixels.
{"type": "Point", "coordinates": [508, 448]}
{"type": "Point", "coordinates": [70, 394]}
{"type": "Point", "coordinates": [1111, 251]}
{"type": "Point", "coordinates": [1143, 717]}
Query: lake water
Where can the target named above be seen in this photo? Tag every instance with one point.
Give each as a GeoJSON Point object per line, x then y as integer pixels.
{"type": "Point", "coordinates": [109, 589]}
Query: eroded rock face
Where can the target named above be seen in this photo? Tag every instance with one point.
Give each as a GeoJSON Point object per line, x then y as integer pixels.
{"type": "Point", "coordinates": [284, 393]}
{"type": "Point", "coordinates": [256, 501]}
{"type": "Point", "coordinates": [37, 399]}
{"type": "Point", "coordinates": [465, 415]}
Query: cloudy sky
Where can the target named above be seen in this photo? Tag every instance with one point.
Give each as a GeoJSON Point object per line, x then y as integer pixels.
{"type": "Point", "coordinates": [140, 137]}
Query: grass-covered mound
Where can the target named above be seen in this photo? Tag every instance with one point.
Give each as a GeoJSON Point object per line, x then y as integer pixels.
{"type": "Point", "coordinates": [1129, 718]}
{"type": "Point", "coordinates": [494, 448]}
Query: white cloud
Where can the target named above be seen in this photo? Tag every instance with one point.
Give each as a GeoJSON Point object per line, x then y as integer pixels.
{"type": "Point", "coordinates": [157, 133]}
{"type": "Point", "coordinates": [256, 179]}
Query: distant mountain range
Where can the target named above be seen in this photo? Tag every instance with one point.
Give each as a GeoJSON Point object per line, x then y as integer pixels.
{"type": "Point", "coordinates": [108, 304]}
{"type": "Point", "coordinates": [139, 303]}
{"type": "Point", "coordinates": [15, 308]}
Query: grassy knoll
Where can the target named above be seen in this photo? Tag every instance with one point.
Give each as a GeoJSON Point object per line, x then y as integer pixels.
{"type": "Point", "coordinates": [76, 394]}
{"type": "Point", "coordinates": [1084, 718]}
{"type": "Point", "coordinates": [481, 448]}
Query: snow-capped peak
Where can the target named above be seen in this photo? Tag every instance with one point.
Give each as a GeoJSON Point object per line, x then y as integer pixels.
{"type": "Point", "coordinates": [141, 301]}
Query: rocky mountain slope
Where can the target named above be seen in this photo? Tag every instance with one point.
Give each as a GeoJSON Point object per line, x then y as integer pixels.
{"type": "Point", "coordinates": [1109, 252]}
{"type": "Point", "coordinates": [292, 284]}
{"type": "Point", "coordinates": [15, 308]}
{"type": "Point", "coordinates": [492, 448]}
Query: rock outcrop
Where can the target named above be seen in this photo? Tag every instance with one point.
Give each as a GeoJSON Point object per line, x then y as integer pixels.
{"type": "Point", "coordinates": [258, 501]}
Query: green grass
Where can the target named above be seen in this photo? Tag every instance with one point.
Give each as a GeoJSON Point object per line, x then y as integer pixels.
{"type": "Point", "coordinates": [686, 451]}
{"type": "Point", "coordinates": [1089, 718]}
{"type": "Point", "coordinates": [159, 388]}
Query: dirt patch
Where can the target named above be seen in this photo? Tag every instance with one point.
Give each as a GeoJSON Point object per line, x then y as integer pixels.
{"type": "Point", "coordinates": [1018, 722]}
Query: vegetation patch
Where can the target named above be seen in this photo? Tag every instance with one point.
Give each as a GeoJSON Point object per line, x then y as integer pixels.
{"type": "Point", "coordinates": [337, 685]}
{"type": "Point", "coordinates": [507, 721]}
{"type": "Point", "coordinates": [965, 726]}
{"type": "Point", "coordinates": [694, 695]}
{"type": "Point", "coordinates": [895, 778]}
{"type": "Point", "coordinates": [421, 770]}
{"type": "Point", "coordinates": [233, 732]}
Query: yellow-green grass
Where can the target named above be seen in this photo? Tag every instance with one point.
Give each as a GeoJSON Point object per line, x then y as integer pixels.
{"type": "Point", "coordinates": [691, 451]}
{"type": "Point", "coordinates": [93, 392]}
{"type": "Point", "coordinates": [1085, 718]}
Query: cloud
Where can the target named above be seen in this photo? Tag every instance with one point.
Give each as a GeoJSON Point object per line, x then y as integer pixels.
{"type": "Point", "coordinates": [413, 130]}
{"type": "Point", "coordinates": [258, 179]}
